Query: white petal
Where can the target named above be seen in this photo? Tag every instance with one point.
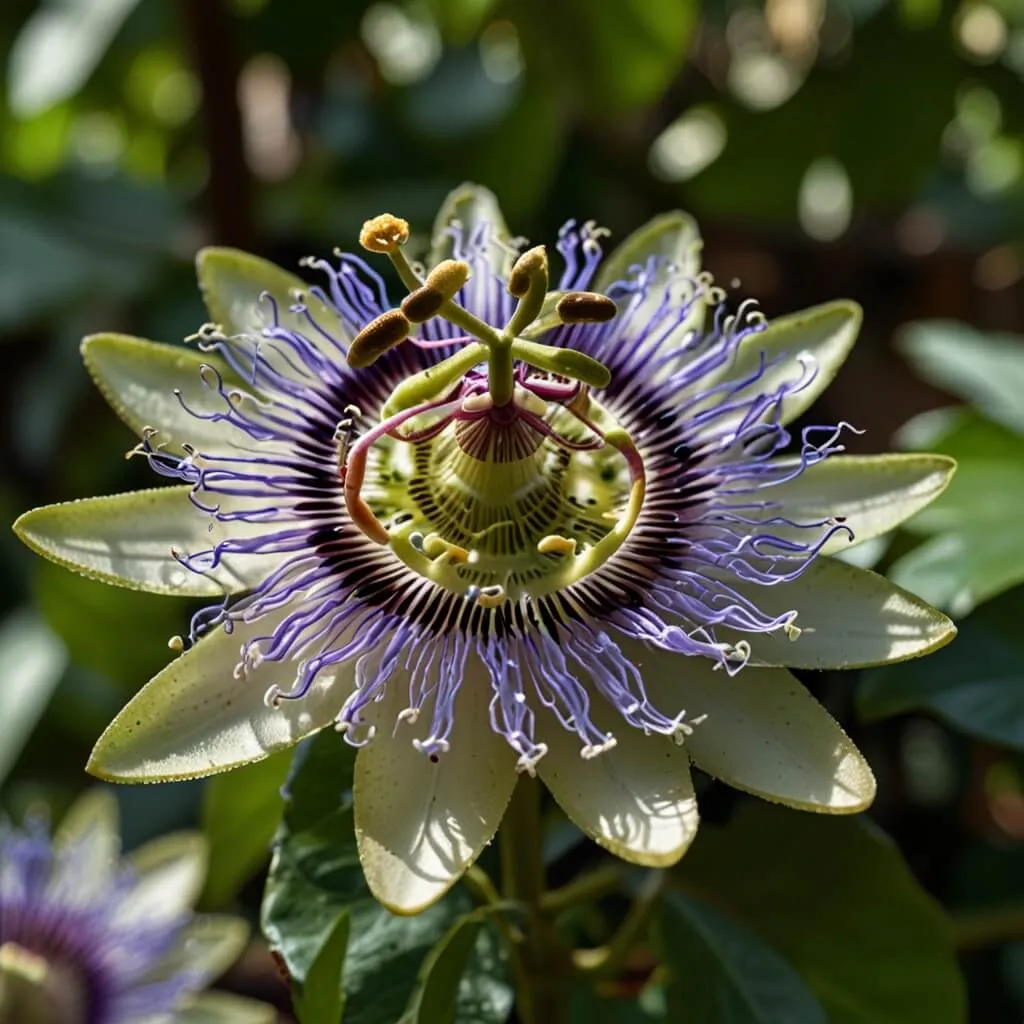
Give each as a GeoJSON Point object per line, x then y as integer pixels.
{"type": "Point", "coordinates": [764, 733]}
{"type": "Point", "coordinates": [91, 830]}
{"type": "Point", "coordinates": [848, 617]}
{"type": "Point", "coordinates": [171, 871]}
{"type": "Point", "coordinates": [419, 825]}
{"type": "Point", "coordinates": [871, 494]}
{"type": "Point", "coordinates": [232, 282]}
{"type": "Point", "coordinates": [635, 799]}
{"type": "Point", "coordinates": [195, 717]}
{"type": "Point", "coordinates": [207, 947]}
{"type": "Point", "coordinates": [820, 337]}
{"type": "Point", "coordinates": [126, 539]}
{"type": "Point", "coordinates": [223, 1008]}
{"type": "Point", "coordinates": [139, 379]}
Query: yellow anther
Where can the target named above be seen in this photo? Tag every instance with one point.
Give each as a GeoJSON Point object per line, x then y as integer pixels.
{"type": "Point", "coordinates": [377, 337]}
{"type": "Point", "coordinates": [585, 308]}
{"type": "Point", "coordinates": [386, 233]}
{"type": "Point", "coordinates": [554, 544]}
{"type": "Point", "coordinates": [531, 266]}
{"type": "Point", "coordinates": [448, 277]}
{"type": "Point", "coordinates": [435, 546]}
{"type": "Point", "coordinates": [422, 304]}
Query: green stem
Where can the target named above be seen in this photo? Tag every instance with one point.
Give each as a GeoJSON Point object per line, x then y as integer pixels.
{"type": "Point", "coordinates": [591, 887]}
{"type": "Point", "coordinates": [607, 960]}
{"type": "Point", "coordinates": [541, 998]}
{"type": "Point", "coordinates": [976, 929]}
{"type": "Point", "coordinates": [500, 381]}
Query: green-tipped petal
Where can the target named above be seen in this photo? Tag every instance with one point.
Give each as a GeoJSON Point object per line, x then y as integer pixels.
{"type": "Point", "coordinates": [127, 539]}
{"type": "Point", "coordinates": [821, 337]}
{"type": "Point", "coordinates": [224, 1008]}
{"type": "Point", "coordinates": [139, 379]}
{"type": "Point", "coordinates": [232, 282]}
{"type": "Point", "coordinates": [848, 617]}
{"type": "Point", "coordinates": [207, 946]}
{"type": "Point", "coordinates": [92, 828]}
{"type": "Point", "coordinates": [419, 825]}
{"type": "Point", "coordinates": [763, 732]}
{"type": "Point", "coordinates": [470, 206]}
{"type": "Point", "coordinates": [870, 494]}
{"type": "Point", "coordinates": [635, 799]}
{"type": "Point", "coordinates": [196, 717]}
{"type": "Point", "coordinates": [170, 872]}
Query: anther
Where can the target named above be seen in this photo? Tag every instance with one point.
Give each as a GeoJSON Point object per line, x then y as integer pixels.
{"type": "Point", "coordinates": [377, 337]}
{"type": "Point", "coordinates": [586, 308]}
{"type": "Point", "coordinates": [528, 282]}
{"type": "Point", "coordinates": [422, 304]}
{"type": "Point", "coordinates": [386, 233]}
{"type": "Point", "coordinates": [448, 277]}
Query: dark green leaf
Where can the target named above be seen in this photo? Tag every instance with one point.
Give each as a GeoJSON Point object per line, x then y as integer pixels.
{"type": "Point", "coordinates": [975, 684]}
{"type": "Point", "coordinates": [722, 972]}
{"type": "Point", "coordinates": [241, 812]}
{"type": "Point", "coordinates": [834, 897]}
{"type": "Point", "coordinates": [321, 999]}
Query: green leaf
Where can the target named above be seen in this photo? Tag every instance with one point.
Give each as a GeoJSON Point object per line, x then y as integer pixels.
{"type": "Point", "coordinates": [961, 432]}
{"type": "Point", "coordinates": [321, 999]}
{"type": "Point", "coordinates": [722, 972]}
{"type": "Point", "coordinates": [437, 986]}
{"type": "Point", "coordinates": [834, 897]}
{"type": "Point", "coordinates": [32, 661]}
{"type": "Point", "coordinates": [987, 370]}
{"type": "Point", "coordinates": [976, 684]}
{"type": "Point", "coordinates": [58, 48]}
{"type": "Point", "coordinates": [241, 812]}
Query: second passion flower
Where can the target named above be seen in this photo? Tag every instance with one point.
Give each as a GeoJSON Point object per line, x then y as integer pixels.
{"type": "Point", "coordinates": [500, 528]}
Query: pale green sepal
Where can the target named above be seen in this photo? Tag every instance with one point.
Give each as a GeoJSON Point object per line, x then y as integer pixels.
{"type": "Point", "coordinates": [820, 337]}
{"type": "Point", "coordinates": [847, 617]}
{"type": "Point", "coordinates": [635, 799]}
{"type": "Point", "coordinates": [206, 947]}
{"type": "Point", "coordinates": [197, 716]}
{"type": "Point", "coordinates": [469, 206]}
{"type": "Point", "coordinates": [673, 237]}
{"type": "Point", "coordinates": [170, 872]}
{"type": "Point", "coordinates": [126, 540]}
{"type": "Point", "coordinates": [566, 362]}
{"type": "Point", "coordinates": [419, 825]}
{"type": "Point", "coordinates": [760, 731]}
{"type": "Point", "coordinates": [91, 827]}
{"type": "Point", "coordinates": [141, 380]}
{"type": "Point", "coordinates": [232, 282]}
{"type": "Point", "coordinates": [225, 1008]}
{"type": "Point", "coordinates": [870, 494]}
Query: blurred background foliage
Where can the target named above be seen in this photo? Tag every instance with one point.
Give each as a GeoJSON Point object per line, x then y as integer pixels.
{"type": "Point", "coordinates": [866, 148]}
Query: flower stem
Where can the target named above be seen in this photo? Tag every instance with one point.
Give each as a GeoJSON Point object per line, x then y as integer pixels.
{"type": "Point", "coordinates": [544, 966]}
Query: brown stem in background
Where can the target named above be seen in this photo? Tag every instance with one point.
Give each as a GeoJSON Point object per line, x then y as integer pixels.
{"type": "Point", "coordinates": [228, 196]}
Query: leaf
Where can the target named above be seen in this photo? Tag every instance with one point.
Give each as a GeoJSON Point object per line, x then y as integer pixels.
{"type": "Point", "coordinates": [835, 898]}
{"type": "Point", "coordinates": [976, 684]}
{"type": "Point", "coordinates": [58, 48]}
{"type": "Point", "coordinates": [315, 876]}
{"type": "Point", "coordinates": [987, 370]}
{"type": "Point", "coordinates": [321, 999]}
{"type": "Point", "coordinates": [32, 661]}
{"type": "Point", "coordinates": [241, 812]}
{"type": "Point", "coordinates": [722, 972]}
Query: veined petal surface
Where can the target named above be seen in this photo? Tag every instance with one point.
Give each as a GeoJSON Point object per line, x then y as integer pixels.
{"type": "Point", "coordinates": [419, 824]}
{"type": "Point", "coordinates": [197, 716]}
{"type": "Point", "coordinates": [127, 539]}
{"type": "Point", "coordinates": [635, 799]}
{"type": "Point", "coordinates": [871, 494]}
{"type": "Point", "coordinates": [848, 617]}
{"type": "Point", "coordinates": [761, 732]}
{"type": "Point", "coordinates": [141, 381]}
{"type": "Point", "coordinates": [91, 828]}
{"type": "Point", "coordinates": [470, 209]}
